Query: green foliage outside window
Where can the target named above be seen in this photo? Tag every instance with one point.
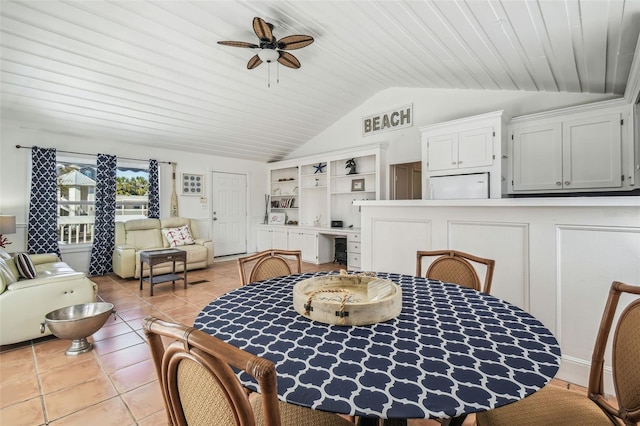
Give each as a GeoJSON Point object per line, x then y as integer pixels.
{"type": "Point", "coordinates": [137, 185]}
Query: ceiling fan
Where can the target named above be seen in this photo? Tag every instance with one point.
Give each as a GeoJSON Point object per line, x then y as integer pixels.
{"type": "Point", "coordinates": [272, 50]}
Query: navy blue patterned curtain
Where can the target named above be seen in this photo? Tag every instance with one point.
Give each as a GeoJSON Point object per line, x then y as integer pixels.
{"type": "Point", "coordinates": [42, 233]}
{"type": "Point", "coordinates": [154, 190]}
{"type": "Point", "coordinates": [105, 228]}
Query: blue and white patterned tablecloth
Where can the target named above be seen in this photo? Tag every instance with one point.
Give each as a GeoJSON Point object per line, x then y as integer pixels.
{"type": "Point", "coordinates": [450, 352]}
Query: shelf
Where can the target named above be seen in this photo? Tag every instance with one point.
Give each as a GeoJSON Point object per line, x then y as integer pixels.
{"type": "Point", "coordinates": [353, 192]}
{"type": "Point", "coordinates": [275, 182]}
{"type": "Point", "coordinates": [353, 176]}
{"type": "Point", "coordinates": [284, 208]}
{"type": "Point", "coordinates": [314, 174]}
{"type": "Point", "coordinates": [314, 187]}
{"type": "Point", "coordinates": [284, 195]}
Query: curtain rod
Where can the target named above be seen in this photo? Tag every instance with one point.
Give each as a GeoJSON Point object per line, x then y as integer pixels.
{"type": "Point", "coordinates": [84, 153]}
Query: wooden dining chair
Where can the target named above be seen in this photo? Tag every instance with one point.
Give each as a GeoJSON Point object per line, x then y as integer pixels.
{"type": "Point", "coordinates": [455, 266]}
{"type": "Point", "coordinates": [269, 264]}
{"type": "Point", "coordinates": [557, 405]}
{"type": "Point", "coordinates": [200, 387]}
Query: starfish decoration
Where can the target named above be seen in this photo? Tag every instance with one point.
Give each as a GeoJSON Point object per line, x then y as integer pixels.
{"type": "Point", "coordinates": [319, 168]}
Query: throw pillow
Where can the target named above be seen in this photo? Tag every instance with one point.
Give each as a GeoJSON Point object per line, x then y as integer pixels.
{"type": "Point", "coordinates": [25, 266]}
{"type": "Point", "coordinates": [178, 236]}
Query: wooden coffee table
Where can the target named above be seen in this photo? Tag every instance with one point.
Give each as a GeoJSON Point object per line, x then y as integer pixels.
{"type": "Point", "coordinates": [155, 257]}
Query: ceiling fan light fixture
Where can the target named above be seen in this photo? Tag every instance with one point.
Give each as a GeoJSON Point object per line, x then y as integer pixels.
{"type": "Point", "coordinates": [268, 55]}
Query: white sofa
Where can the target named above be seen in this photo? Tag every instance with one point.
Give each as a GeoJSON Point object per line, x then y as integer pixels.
{"type": "Point", "coordinates": [25, 302]}
{"type": "Point", "coordinates": [134, 236]}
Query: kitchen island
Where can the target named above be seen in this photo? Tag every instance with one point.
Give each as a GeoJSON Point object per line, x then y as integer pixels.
{"type": "Point", "coordinates": [555, 257]}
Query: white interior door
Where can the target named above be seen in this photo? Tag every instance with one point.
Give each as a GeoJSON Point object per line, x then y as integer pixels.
{"type": "Point", "coordinates": [229, 213]}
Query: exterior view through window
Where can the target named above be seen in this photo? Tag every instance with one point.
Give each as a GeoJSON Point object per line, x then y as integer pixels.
{"type": "Point", "coordinates": [77, 198]}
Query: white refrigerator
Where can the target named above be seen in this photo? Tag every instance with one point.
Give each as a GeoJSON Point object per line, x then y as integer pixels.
{"type": "Point", "coordinates": [456, 187]}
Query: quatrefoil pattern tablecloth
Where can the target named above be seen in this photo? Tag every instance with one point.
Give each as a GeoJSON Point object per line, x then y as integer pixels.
{"type": "Point", "coordinates": [452, 350]}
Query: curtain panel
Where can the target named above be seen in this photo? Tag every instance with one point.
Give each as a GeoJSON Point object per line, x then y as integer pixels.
{"type": "Point", "coordinates": [104, 238]}
{"type": "Point", "coordinates": [154, 190]}
{"type": "Point", "coordinates": [42, 231]}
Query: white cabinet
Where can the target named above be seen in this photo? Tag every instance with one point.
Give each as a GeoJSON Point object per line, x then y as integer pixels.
{"type": "Point", "coordinates": [572, 151]}
{"type": "Point", "coordinates": [306, 242]}
{"type": "Point", "coordinates": [469, 148]}
{"type": "Point", "coordinates": [272, 237]}
{"type": "Point", "coordinates": [468, 145]}
{"type": "Point", "coordinates": [537, 157]}
{"type": "Point", "coordinates": [591, 150]}
{"type": "Point", "coordinates": [353, 251]}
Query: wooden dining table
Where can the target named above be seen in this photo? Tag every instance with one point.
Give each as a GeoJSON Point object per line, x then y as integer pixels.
{"type": "Point", "coordinates": [452, 351]}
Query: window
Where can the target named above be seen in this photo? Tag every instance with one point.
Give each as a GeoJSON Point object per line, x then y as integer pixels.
{"type": "Point", "coordinates": [76, 198]}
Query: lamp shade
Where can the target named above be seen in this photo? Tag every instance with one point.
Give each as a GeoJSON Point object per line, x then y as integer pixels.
{"type": "Point", "coordinates": [7, 224]}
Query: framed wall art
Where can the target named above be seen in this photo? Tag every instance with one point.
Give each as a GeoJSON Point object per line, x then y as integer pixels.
{"type": "Point", "coordinates": [357, 185]}
{"type": "Point", "coordinates": [192, 184]}
{"type": "Point", "coordinates": [277, 218]}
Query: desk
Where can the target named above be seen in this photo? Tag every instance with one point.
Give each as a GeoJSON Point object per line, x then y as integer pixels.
{"type": "Point", "coordinates": [451, 351]}
{"type": "Point", "coordinates": [155, 257]}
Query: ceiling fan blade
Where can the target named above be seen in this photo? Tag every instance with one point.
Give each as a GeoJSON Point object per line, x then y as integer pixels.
{"type": "Point", "coordinates": [239, 44]}
{"type": "Point", "coordinates": [293, 42]}
{"type": "Point", "coordinates": [288, 60]}
{"type": "Point", "coordinates": [262, 29]}
{"type": "Point", "coordinates": [254, 62]}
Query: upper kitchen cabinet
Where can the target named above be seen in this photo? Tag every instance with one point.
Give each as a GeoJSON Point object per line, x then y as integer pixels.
{"type": "Point", "coordinates": [587, 148]}
{"type": "Point", "coordinates": [459, 150]}
{"type": "Point", "coordinates": [468, 145]}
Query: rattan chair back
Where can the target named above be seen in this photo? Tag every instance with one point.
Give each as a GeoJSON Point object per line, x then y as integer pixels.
{"type": "Point", "coordinates": [625, 357]}
{"type": "Point", "coordinates": [455, 267]}
{"type": "Point", "coordinates": [556, 405]}
{"type": "Point", "coordinates": [269, 264]}
{"type": "Point", "coordinates": [198, 382]}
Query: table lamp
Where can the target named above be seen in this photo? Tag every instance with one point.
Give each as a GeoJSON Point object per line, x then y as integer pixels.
{"type": "Point", "coordinates": [7, 226]}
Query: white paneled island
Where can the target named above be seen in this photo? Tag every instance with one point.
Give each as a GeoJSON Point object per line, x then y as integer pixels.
{"type": "Point", "coordinates": [555, 257]}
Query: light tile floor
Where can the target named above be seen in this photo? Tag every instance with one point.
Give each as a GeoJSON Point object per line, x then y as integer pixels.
{"type": "Point", "coordinates": [114, 384]}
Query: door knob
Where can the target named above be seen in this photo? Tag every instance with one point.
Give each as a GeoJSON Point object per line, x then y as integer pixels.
{"type": "Point", "coordinates": [215, 218]}
{"type": "Point", "coordinates": [566, 182]}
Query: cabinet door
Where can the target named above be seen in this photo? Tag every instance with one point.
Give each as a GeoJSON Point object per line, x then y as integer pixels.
{"type": "Point", "coordinates": [294, 240]}
{"type": "Point", "coordinates": [592, 152]}
{"type": "Point", "coordinates": [442, 152]}
{"type": "Point", "coordinates": [537, 157]}
{"type": "Point", "coordinates": [475, 147]}
{"type": "Point", "coordinates": [264, 239]}
{"type": "Point", "coordinates": [309, 246]}
{"type": "Point", "coordinates": [279, 239]}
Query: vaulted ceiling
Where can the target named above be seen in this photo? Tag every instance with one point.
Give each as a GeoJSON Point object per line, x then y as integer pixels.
{"type": "Point", "coordinates": [152, 73]}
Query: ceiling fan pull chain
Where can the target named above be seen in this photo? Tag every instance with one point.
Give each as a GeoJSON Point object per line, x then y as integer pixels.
{"type": "Point", "coordinates": [278, 72]}
{"type": "Point", "coordinates": [269, 74]}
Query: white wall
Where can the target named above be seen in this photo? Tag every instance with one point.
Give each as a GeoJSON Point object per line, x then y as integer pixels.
{"type": "Point", "coordinates": [432, 106]}
{"type": "Point", "coordinates": [15, 186]}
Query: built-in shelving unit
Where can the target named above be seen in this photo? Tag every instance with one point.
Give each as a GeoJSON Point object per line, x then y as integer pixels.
{"type": "Point", "coordinates": [323, 187]}
{"type": "Point", "coordinates": [284, 191]}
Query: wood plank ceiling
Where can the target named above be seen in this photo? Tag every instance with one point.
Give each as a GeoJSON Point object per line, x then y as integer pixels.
{"type": "Point", "coordinates": [152, 73]}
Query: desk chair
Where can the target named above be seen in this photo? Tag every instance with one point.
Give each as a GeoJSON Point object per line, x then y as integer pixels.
{"type": "Point", "coordinates": [556, 405]}
{"type": "Point", "coordinates": [269, 264]}
{"type": "Point", "coordinates": [200, 388]}
{"type": "Point", "coordinates": [454, 266]}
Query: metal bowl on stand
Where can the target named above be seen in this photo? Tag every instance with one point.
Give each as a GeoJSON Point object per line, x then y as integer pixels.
{"type": "Point", "coordinates": [77, 322]}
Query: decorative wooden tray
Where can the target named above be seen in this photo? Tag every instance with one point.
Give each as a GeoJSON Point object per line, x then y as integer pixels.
{"type": "Point", "coordinates": [347, 299]}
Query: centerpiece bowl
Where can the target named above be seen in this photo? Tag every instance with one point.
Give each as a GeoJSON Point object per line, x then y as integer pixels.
{"type": "Point", "coordinates": [347, 299]}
